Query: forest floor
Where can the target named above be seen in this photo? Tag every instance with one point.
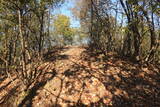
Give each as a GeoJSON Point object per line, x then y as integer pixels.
{"type": "Point", "coordinates": [75, 76]}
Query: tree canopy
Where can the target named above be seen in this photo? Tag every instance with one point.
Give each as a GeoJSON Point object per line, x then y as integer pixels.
{"type": "Point", "coordinates": [62, 28]}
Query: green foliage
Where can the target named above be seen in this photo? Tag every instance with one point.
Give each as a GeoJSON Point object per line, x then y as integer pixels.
{"type": "Point", "coordinates": [24, 30]}
{"type": "Point", "coordinates": [62, 28]}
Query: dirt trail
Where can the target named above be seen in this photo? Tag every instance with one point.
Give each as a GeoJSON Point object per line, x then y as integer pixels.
{"type": "Point", "coordinates": [73, 83]}
{"type": "Point", "coordinates": [74, 76]}
{"type": "Point", "coordinates": [69, 57]}
{"type": "Point", "coordinates": [84, 78]}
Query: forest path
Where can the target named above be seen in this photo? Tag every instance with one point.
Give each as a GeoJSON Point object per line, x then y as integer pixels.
{"type": "Point", "coordinates": [85, 78]}
{"type": "Point", "coordinates": [75, 76]}
{"type": "Point", "coordinates": [74, 83]}
{"type": "Point", "coordinates": [69, 56]}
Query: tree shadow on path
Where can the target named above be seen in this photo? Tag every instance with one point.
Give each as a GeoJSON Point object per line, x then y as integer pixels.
{"type": "Point", "coordinates": [130, 83]}
{"type": "Point", "coordinates": [44, 78]}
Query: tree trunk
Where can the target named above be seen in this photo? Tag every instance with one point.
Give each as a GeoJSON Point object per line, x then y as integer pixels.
{"type": "Point", "coordinates": [41, 35]}
{"type": "Point", "coordinates": [154, 42]}
{"type": "Point", "coordinates": [22, 43]}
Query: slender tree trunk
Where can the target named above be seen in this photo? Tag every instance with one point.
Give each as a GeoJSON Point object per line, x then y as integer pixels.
{"type": "Point", "coordinates": [127, 43]}
{"type": "Point", "coordinates": [154, 42]}
{"type": "Point", "coordinates": [10, 52]}
{"type": "Point", "coordinates": [91, 26]}
{"type": "Point", "coordinates": [41, 35]}
{"type": "Point", "coordinates": [22, 43]}
{"type": "Point", "coordinates": [49, 19]}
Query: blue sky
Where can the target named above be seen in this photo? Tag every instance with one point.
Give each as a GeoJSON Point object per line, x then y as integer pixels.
{"type": "Point", "coordinates": [65, 9]}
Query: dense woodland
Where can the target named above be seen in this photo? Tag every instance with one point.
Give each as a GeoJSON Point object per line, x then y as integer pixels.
{"type": "Point", "coordinates": [29, 31]}
{"type": "Point", "coordinates": [129, 27]}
